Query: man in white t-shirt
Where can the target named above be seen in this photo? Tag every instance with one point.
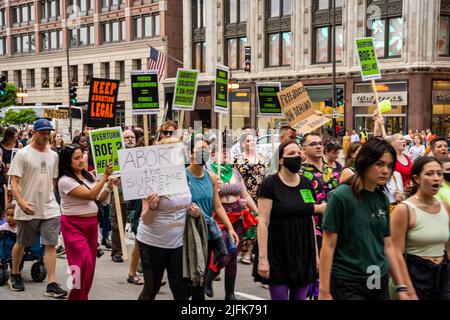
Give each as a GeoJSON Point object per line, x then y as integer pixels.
{"type": "Point", "coordinates": [33, 172]}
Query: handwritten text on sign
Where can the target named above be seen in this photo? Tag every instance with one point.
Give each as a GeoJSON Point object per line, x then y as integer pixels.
{"type": "Point", "coordinates": [157, 169]}
{"type": "Point", "coordinates": [295, 103]}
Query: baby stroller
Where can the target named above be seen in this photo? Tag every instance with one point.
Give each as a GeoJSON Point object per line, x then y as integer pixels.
{"type": "Point", "coordinates": [35, 252]}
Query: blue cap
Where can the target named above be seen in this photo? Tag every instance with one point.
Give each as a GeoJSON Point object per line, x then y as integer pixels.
{"type": "Point", "coordinates": [42, 124]}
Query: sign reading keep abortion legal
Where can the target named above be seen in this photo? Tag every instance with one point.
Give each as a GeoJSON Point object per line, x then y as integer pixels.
{"type": "Point", "coordinates": [157, 169]}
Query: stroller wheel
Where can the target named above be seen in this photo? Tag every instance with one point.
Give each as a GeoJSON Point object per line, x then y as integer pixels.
{"type": "Point", "coordinates": [3, 274]}
{"type": "Point", "coordinates": [38, 272]}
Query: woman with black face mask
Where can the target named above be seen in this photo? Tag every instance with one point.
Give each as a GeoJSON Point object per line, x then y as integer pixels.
{"type": "Point", "coordinates": [287, 254]}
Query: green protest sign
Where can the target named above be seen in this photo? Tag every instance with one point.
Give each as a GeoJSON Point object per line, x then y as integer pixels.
{"type": "Point", "coordinates": [144, 92]}
{"type": "Point", "coordinates": [267, 99]}
{"type": "Point", "coordinates": [186, 90]}
{"type": "Point", "coordinates": [104, 146]}
{"type": "Point", "coordinates": [367, 59]}
{"type": "Point", "coordinates": [221, 101]}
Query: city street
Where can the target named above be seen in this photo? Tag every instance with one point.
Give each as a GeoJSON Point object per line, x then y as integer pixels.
{"type": "Point", "coordinates": [110, 283]}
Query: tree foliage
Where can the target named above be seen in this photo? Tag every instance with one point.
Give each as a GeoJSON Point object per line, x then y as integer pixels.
{"type": "Point", "coordinates": [19, 118]}
{"type": "Point", "coordinates": [10, 97]}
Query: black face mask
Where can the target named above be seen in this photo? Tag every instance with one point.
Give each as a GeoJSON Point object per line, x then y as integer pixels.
{"type": "Point", "coordinates": [447, 176]}
{"type": "Point", "coordinates": [293, 164]}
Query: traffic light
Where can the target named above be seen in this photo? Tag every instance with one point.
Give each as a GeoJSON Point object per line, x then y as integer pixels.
{"type": "Point", "coordinates": [339, 97]}
{"type": "Point", "coordinates": [3, 86]}
{"type": "Point", "coordinates": [73, 95]}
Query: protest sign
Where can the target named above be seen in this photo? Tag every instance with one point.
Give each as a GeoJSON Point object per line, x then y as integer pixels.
{"type": "Point", "coordinates": [385, 106]}
{"type": "Point", "coordinates": [102, 103]}
{"type": "Point", "coordinates": [157, 169]}
{"type": "Point", "coordinates": [268, 103]}
{"type": "Point", "coordinates": [221, 101]}
{"type": "Point", "coordinates": [105, 143]}
{"type": "Point", "coordinates": [295, 104]}
{"type": "Point", "coordinates": [144, 91]}
{"type": "Point", "coordinates": [311, 123]}
{"type": "Point", "coordinates": [186, 90]}
{"type": "Point", "coordinates": [367, 59]}
{"type": "Point", "coordinates": [56, 113]}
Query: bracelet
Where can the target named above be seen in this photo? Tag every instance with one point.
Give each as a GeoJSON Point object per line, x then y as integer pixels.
{"type": "Point", "coordinates": [401, 288]}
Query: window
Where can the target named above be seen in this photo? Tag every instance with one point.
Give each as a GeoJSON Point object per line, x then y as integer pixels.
{"type": "Point", "coordinates": [323, 46]}
{"type": "Point", "coordinates": [50, 9]}
{"type": "Point", "coordinates": [89, 73]}
{"type": "Point", "coordinates": [74, 75]}
{"type": "Point", "coordinates": [2, 19]}
{"type": "Point", "coordinates": [113, 31]}
{"type": "Point", "coordinates": [387, 29]}
{"type": "Point", "coordinates": [23, 14]}
{"type": "Point", "coordinates": [236, 52]}
{"type": "Point", "coordinates": [388, 41]}
{"type": "Point", "coordinates": [199, 56]}
{"type": "Point", "coordinates": [137, 64]}
{"type": "Point", "coordinates": [45, 75]}
{"type": "Point", "coordinates": [328, 4]}
{"type": "Point", "coordinates": [24, 43]}
{"type": "Point", "coordinates": [84, 5]}
{"type": "Point", "coordinates": [2, 46]}
{"type": "Point", "coordinates": [120, 70]}
{"type": "Point", "coordinates": [51, 40]}
{"type": "Point", "coordinates": [278, 8]}
{"type": "Point", "coordinates": [111, 4]}
{"type": "Point", "coordinates": [105, 70]}
{"type": "Point", "coordinates": [31, 78]}
{"type": "Point", "coordinates": [444, 36]}
{"type": "Point", "coordinates": [146, 26]}
{"type": "Point", "coordinates": [236, 11]}
{"type": "Point", "coordinates": [18, 78]}
{"type": "Point", "coordinates": [57, 74]}
{"type": "Point", "coordinates": [279, 49]}
{"type": "Point", "coordinates": [200, 13]}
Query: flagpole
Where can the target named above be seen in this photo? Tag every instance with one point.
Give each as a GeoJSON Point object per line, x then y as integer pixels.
{"type": "Point", "coordinates": [169, 56]}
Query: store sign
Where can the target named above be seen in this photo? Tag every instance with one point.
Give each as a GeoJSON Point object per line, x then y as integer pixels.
{"type": "Point", "coordinates": [441, 97]}
{"type": "Point", "coordinates": [368, 99]}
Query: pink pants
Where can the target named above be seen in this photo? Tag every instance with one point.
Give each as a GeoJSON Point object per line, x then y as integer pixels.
{"type": "Point", "coordinates": [80, 241]}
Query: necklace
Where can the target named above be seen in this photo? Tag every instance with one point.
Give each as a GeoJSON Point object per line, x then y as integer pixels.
{"type": "Point", "coordinates": [417, 197]}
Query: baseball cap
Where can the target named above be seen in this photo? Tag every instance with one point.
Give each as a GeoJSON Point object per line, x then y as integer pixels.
{"type": "Point", "coordinates": [42, 124]}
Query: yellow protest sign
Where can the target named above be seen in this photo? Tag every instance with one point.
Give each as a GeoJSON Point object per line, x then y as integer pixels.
{"type": "Point", "coordinates": [56, 114]}
{"type": "Point", "coordinates": [311, 123]}
{"type": "Point", "coordinates": [385, 106]}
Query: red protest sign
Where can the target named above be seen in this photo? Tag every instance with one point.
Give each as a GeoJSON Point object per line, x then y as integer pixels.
{"type": "Point", "coordinates": [102, 103]}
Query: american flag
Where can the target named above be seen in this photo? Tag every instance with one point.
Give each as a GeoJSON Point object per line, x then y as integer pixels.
{"type": "Point", "coordinates": [157, 61]}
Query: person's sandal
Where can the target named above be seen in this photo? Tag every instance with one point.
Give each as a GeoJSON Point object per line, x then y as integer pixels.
{"type": "Point", "coordinates": [135, 279]}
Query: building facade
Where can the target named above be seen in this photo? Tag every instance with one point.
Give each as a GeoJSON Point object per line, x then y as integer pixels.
{"type": "Point", "coordinates": [291, 41]}
{"type": "Point", "coordinates": [104, 38]}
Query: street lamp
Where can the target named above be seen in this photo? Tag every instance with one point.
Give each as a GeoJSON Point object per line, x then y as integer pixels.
{"type": "Point", "coordinates": [232, 86]}
{"type": "Point", "coordinates": [22, 93]}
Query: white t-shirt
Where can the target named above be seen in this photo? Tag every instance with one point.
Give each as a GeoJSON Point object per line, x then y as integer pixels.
{"type": "Point", "coordinates": [392, 185]}
{"type": "Point", "coordinates": [167, 229]}
{"type": "Point", "coordinates": [36, 171]}
{"type": "Point", "coordinates": [72, 206]}
{"type": "Point", "coordinates": [7, 227]}
{"type": "Point", "coordinates": [354, 138]}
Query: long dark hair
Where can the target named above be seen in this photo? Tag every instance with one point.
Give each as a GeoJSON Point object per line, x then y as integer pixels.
{"type": "Point", "coordinates": [370, 153]}
{"type": "Point", "coordinates": [8, 136]}
{"type": "Point", "coordinates": [65, 164]}
{"type": "Point", "coordinates": [350, 151]}
{"type": "Point", "coordinates": [417, 168]}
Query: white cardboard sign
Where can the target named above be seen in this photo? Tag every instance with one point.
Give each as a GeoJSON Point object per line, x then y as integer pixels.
{"type": "Point", "coordinates": [157, 169]}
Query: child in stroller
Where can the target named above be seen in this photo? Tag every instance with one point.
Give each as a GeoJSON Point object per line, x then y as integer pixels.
{"type": "Point", "coordinates": [8, 239]}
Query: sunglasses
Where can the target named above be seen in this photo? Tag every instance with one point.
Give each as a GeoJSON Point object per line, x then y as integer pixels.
{"type": "Point", "coordinates": [314, 144]}
{"type": "Point", "coordinates": [167, 132]}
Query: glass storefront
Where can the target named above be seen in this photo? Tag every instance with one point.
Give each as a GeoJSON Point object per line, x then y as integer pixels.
{"type": "Point", "coordinates": [240, 110]}
{"type": "Point", "coordinates": [363, 102]}
{"type": "Point", "coordinates": [441, 108]}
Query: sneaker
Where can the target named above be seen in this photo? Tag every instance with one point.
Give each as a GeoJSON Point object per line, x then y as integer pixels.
{"type": "Point", "coordinates": [60, 251]}
{"type": "Point", "coordinates": [107, 244]}
{"type": "Point", "coordinates": [16, 282]}
{"type": "Point", "coordinates": [117, 258]}
{"type": "Point", "coordinates": [54, 290]}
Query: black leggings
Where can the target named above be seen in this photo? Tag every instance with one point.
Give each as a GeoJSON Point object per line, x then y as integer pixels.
{"type": "Point", "coordinates": [154, 261]}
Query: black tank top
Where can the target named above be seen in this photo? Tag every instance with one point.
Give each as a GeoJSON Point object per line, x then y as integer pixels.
{"type": "Point", "coordinates": [7, 153]}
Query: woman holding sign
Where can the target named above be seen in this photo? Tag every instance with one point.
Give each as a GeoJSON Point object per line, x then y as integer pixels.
{"type": "Point", "coordinates": [160, 240]}
{"type": "Point", "coordinates": [79, 193]}
{"type": "Point", "coordinates": [286, 259]}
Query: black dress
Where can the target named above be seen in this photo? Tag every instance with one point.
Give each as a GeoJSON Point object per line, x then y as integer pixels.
{"type": "Point", "coordinates": [290, 247]}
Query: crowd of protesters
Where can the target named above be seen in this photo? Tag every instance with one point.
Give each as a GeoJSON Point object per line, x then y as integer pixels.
{"type": "Point", "coordinates": [313, 226]}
